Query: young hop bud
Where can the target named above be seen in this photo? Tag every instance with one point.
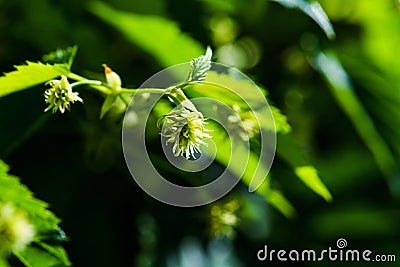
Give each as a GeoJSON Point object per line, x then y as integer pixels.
{"type": "Point", "coordinates": [15, 230]}
{"type": "Point", "coordinates": [59, 95]}
{"type": "Point", "coordinates": [113, 79]}
{"type": "Point", "coordinates": [185, 129]}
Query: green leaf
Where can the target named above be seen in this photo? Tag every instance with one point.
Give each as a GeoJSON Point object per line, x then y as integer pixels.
{"type": "Point", "coordinates": [158, 36]}
{"type": "Point", "coordinates": [107, 105]}
{"type": "Point", "coordinates": [3, 262]}
{"type": "Point", "coordinates": [293, 154]}
{"type": "Point", "coordinates": [313, 10]}
{"type": "Point", "coordinates": [342, 89]}
{"type": "Point", "coordinates": [309, 175]}
{"type": "Point", "coordinates": [200, 66]}
{"type": "Point", "coordinates": [11, 190]}
{"type": "Point", "coordinates": [44, 221]}
{"type": "Point", "coordinates": [61, 56]}
{"type": "Point", "coordinates": [56, 251]}
{"type": "Point", "coordinates": [276, 199]}
{"type": "Point", "coordinates": [29, 75]}
{"type": "Point", "coordinates": [3, 167]}
{"type": "Point", "coordinates": [38, 256]}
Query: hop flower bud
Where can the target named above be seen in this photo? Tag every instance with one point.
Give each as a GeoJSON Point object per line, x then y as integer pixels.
{"type": "Point", "coordinates": [59, 95]}
{"type": "Point", "coordinates": [185, 129]}
{"type": "Point", "coordinates": [224, 219]}
{"type": "Point", "coordinates": [113, 79]}
{"type": "Point", "coordinates": [15, 230]}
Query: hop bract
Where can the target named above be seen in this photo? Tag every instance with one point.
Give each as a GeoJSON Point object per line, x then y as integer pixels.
{"type": "Point", "coordinates": [185, 130]}
{"type": "Point", "coordinates": [59, 95]}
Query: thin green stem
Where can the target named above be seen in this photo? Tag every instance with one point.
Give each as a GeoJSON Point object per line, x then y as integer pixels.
{"type": "Point", "coordinates": [97, 85]}
{"type": "Point", "coordinates": [76, 77]}
{"type": "Point", "coordinates": [86, 82]}
{"type": "Point", "coordinates": [183, 85]}
{"type": "Point", "coordinates": [142, 90]}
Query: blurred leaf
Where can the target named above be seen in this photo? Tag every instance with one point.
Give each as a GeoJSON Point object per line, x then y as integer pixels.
{"type": "Point", "coordinates": [156, 35]}
{"type": "Point", "coordinates": [380, 22]}
{"type": "Point", "coordinates": [29, 75]}
{"type": "Point", "coordinates": [355, 220]}
{"type": "Point", "coordinates": [276, 199]}
{"type": "Point", "coordinates": [375, 68]}
{"type": "Point", "coordinates": [342, 89]}
{"type": "Point", "coordinates": [37, 256]}
{"type": "Point", "coordinates": [315, 11]}
{"type": "Point", "coordinates": [62, 56]}
{"type": "Point", "coordinates": [107, 105]}
{"type": "Point", "coordinates": [11, 190]}
{"type": "Point", "coordinates": [293, 153]}
{"type": "Point", "coordinates": [3, 263]}
{"type": "Point", "coordinates": [241, 93]}
{"type": "Point", "coordinates": [253, 168]}
{"type": "Point", "coordinates": [280, 120]}
{"type": "Point", "coordinates": [43, 220]}
{"type": "Point", "coordinates": [56, 251]}
{"type": "Point", "coordinates": [383, 103]}
{"type": "Point", "coordinates": [309, 175]}
{"type": "Point", "coordinates": [3, 167]}
{"type": "Point", "coordinates": [222, 6]}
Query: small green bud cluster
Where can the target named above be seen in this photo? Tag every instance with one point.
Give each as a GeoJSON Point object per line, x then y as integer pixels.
{"type": "Point", "coordinates": [59, 95]}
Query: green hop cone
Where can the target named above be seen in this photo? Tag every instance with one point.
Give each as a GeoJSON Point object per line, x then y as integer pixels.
{"type": "Point", "coordinates": [185, 130]}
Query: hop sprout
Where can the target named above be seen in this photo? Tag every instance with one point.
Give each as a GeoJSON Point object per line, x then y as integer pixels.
{"type": "Point", "coordinates": [185, 129]}
{"type": "Point", "coordinates": [59, 95]}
